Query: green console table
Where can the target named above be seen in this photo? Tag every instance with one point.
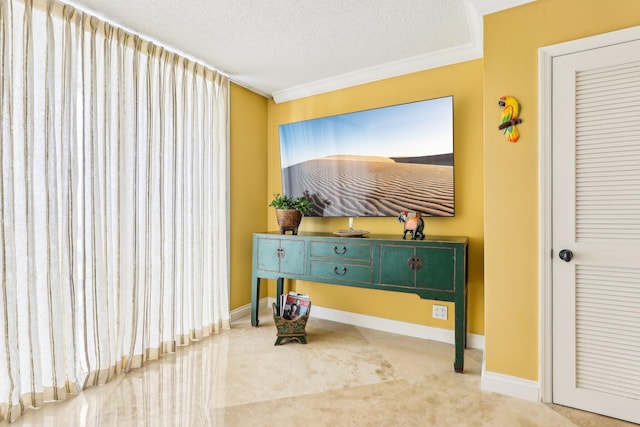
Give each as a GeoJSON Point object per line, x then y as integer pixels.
{"type": "Point", "coordinates": [433, 268]}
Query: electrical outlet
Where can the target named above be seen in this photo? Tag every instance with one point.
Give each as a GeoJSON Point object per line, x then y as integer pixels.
{"type": "Point", "coordinates": [440, 312]}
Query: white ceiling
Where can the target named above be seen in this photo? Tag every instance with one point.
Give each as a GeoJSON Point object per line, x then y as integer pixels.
{"type": "Point", "coordinates": [289, 49]}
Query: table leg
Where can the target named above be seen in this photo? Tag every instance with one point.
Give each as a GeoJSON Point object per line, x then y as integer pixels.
{"type": "Point", "coordinates": [279, 290]}
{"type": "Point", "coordinates": [461, 331]}
{"type": "Point", "coordinates": [255, 299]}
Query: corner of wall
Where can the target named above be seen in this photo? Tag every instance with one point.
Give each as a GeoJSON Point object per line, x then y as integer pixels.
{"type": "Point", "coordinates": [509, 386]}
{"type": "Point", "coordinates": [248, 198]}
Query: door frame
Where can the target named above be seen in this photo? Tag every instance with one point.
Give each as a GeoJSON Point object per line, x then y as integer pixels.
{"type": "Point", "coordinates": [545, 186]}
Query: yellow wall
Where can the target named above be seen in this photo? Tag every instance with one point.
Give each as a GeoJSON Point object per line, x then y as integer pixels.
{"type": "Point", "coordinates": [248, 198]}
{"type": "Point", "coordinates": [511, 42]}
{"type": "Point", "coordinates": [464, 82]}
{"type": "Point", "coordinates": [496, 182]}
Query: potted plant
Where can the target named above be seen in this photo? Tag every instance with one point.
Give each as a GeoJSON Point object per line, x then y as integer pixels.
{"type": "Point", "coordinates": [289, 211]}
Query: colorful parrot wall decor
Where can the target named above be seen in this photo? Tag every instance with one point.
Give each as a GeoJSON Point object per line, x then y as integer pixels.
{"type": "Point", "coordinates": [510, 117]}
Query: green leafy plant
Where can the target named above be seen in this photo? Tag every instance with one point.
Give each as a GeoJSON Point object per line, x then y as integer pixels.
{"type": "Point", "coordinates": [301, 203]}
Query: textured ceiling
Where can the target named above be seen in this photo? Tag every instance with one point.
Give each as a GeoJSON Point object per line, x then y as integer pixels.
{"type": "Point", "coordinates": [289, 49]}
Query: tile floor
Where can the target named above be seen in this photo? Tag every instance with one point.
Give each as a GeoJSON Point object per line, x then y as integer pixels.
{"type": "Point", "coordinates": [345, 375]}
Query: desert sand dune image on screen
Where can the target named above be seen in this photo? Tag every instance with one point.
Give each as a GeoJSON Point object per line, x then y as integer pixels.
{"type": "Point", "coordinates": [350, 185]}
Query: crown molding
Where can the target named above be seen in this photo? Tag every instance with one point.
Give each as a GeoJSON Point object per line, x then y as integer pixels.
{"type": "Point", "coordinates": [473, 50]}
{"type": "Point", "coordinates": [486, 7]}
{"type": "Point", "coordinates": [384, 71]}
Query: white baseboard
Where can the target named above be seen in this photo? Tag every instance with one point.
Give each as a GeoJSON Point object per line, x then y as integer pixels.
{"type": "Point", "coordinates": [371, 322]}
{"type": "Point", "coordinates": [510, 386]}
{"type": "Point", "coordinates": [395, 326]}
{"type": "Point", "coordinates": [245, 310]}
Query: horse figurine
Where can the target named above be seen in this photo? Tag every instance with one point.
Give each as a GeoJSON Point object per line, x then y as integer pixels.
{"type": "Point", "coordinates": [413, 223]}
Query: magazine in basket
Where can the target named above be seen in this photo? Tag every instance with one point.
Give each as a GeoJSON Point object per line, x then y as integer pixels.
{"type": "Point", "coordinates": [294, 305]}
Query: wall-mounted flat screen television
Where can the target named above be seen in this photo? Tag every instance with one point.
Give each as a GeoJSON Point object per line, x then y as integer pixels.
{"type": "Point", "coordinates": [373, 163]}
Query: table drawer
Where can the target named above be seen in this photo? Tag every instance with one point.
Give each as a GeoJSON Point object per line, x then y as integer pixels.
{"type": "Point", "coordinates": [341, 272]}
{"type": "Point", "coordinates": [341, 250]}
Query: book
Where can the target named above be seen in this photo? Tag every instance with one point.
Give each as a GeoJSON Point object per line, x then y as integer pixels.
{"type": "Point", "coordinates": [294, 305]}
{"type": "Point", "coordinates": [303, 306]}
{"type": "Point", "coordinates": [283, 301]}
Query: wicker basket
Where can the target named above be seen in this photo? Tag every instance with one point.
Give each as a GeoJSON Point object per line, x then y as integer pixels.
{"type": "Point", "coordinates": [288, 220]}
{"type": "Point", "coordinates": [290, 329]}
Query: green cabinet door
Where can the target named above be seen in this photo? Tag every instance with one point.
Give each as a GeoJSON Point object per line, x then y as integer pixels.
{"type": "Point", "coordinates": [394, 265]}
{"type": "Point", "coordinates": [267, 253]}
{"type": "Point", "coordinates": [421, 267]}
{"type": "Point", "coordinates": [438, 268]}
{"type": "Point", "coordinates": [281, 255]}
{"type": "Point", "coordinates": [293, 259]}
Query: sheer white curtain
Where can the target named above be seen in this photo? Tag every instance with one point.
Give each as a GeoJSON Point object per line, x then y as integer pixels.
{"type": "Point", "coordinates": [113, 202]}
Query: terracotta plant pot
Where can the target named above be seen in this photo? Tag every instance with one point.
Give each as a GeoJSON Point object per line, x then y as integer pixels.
{"type": "Point", "coordinates": [288, 220]}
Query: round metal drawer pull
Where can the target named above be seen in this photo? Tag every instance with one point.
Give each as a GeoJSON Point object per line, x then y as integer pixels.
{"type": "Point", "coordinates": [414, 263]}
{"type": "Point", "coordinates": [340, 273]}
{"type": "Point", "coordinates": [344, 250]}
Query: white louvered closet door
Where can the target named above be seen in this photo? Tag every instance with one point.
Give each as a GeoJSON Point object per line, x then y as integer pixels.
{"type": "Point", "coordinates": [596, 216]}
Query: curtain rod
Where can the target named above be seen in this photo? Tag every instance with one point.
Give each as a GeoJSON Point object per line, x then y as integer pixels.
{"type": "Point", "coordinates": [157, 42]}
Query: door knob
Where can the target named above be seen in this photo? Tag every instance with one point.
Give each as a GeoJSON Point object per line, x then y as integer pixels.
{"type": "Point", "coordinates": [566, 255]}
